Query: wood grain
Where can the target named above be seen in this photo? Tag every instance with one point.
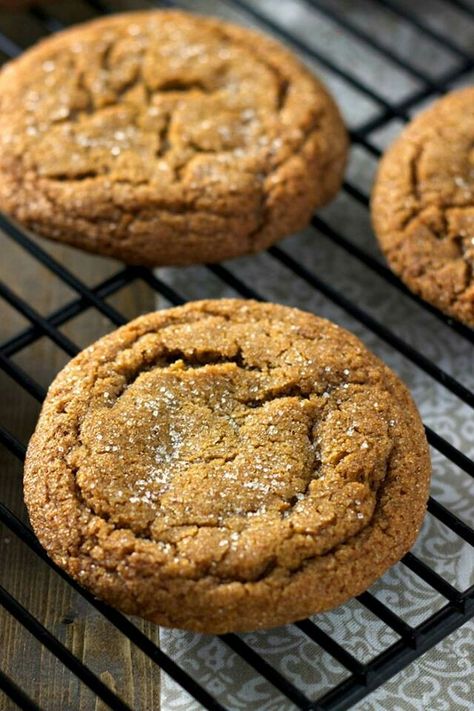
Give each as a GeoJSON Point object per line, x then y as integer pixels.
{"type": "Point", "coordinates": [62, 611]}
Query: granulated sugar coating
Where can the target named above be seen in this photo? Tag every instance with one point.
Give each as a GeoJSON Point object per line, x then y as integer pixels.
{"type": "Point", "coordinates": [227, 465]}
{"type": "Point", "coordinates": [165, 138]}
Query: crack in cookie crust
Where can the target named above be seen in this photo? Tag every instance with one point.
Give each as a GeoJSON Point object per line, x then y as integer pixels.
{"type": "Point", "coordinates": [162, 137]}
{"type": "Point", "coordinates": [423, 205]}
{"type": "Point", "coordinates": [222, 456]}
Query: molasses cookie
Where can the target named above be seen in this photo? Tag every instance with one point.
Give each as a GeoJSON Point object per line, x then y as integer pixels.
{"type": "Point", "coordinates": [227, 465]}
{"type": "Point", "coordinates": [165, 138]}
{"type": "Point", "coordinates": [423, 205]}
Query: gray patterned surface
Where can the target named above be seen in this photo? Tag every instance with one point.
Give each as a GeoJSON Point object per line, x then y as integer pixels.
{"type": "Point", "coordinates": [440, 679]}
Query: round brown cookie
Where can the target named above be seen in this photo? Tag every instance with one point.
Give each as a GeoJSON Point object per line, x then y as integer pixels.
{"type": "Point", "coordinates": [165, 138]}
{"type": "Point", "coordinates": [227, 465]}
{"type": "Point", "coordinates": [423, 205]}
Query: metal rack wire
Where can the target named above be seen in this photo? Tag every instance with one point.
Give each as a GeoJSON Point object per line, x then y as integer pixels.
{"type": "Point", "coordinates": [412, 640]}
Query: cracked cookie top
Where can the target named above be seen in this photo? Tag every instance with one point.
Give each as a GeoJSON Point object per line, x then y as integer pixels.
{"type": "Point", "coordinates": [134, 132]}
{"type": "Point", "coordinates": [229, 442]}
{"type": "Point", "coordinates": [423, 205]}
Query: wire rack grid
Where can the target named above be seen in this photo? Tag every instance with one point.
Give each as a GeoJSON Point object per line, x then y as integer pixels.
{"type": "Point", "coordinates": [412, 640]}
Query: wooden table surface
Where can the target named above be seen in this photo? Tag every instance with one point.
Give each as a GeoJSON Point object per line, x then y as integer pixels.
{"type": "Point", "coordinates": [73, 621]}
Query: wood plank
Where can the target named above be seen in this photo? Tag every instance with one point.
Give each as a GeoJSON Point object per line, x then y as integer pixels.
{"type": "Point", "coordinates": [52, 601]}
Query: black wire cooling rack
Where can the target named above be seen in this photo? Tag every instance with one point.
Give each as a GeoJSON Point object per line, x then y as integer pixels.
{"type": "Point", "coordinates": [412, 641]}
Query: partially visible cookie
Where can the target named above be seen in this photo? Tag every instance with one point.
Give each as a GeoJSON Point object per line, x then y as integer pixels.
{"type": "Point", "coordinates": [423, 205]}
{"type": "Point", "coordinates": [165, 138]}
{"type": "Point", "coordinates": [227, 465]}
